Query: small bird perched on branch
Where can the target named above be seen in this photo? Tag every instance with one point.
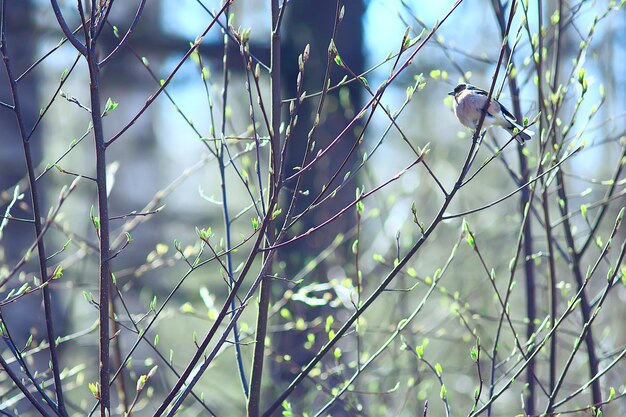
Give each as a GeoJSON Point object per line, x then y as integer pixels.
{"type": "Point", "coordinates": [469, 102]}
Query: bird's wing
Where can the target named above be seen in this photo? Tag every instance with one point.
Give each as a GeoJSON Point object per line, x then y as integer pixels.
{"type": "Point", "coordinates": [502, 114]}
{"type": "Point", "coordinates": [507, 114]}
{"type": "Point", "coordinates": [495, 108]}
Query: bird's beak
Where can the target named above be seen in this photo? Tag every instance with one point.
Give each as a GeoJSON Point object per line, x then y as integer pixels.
{"type": "Point", "coordinates": [451, 93]}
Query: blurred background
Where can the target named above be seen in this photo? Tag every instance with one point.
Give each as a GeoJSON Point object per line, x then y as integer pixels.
{"type": "Point", "coordinates": [167, 159]}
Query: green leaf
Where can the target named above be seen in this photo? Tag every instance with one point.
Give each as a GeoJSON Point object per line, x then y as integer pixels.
{"type": "Point", "coordinates": [474, 353]}
{"type": "Point", "coordinates": [611, 395]}
{"type": "Point", "coordinates": [409, 92]}
{"type": "Point", "coordinates": [204, 234]}
{"type": "Point", "coordinates": [58, 272]}
{"type": "Point", "coordinates": [110, 106]}
{"type": "Point", "coordinates": [555, 18]}
{"type": "Point", "coordinates": [95, 390]}
{"type": "Point", "coordinates": [443, 393]}
{"type": "Point", "coordinates": [355, 246]}
{"type": "Point", "coordinates": [187, 308]}
{"type": "Point", "coordinates": [378, 258]}
{"type": "Point", "coordinates": [161, 249]}
{"type": "Point", "coordinates": [438, 368]}
{"type": "Point", "coordinates": [337, 353]}
{"type": "Point", "coordinates": [437, 274]}
{"type": "Point", "coordinates": [286, 314]}
{"type": "Point", "coordinates": [420, 348]}
{"type": "Point", "coordinates": [435, 74]}
{"type": "Point", "coordinates": [276, 213]}
{"type": "Point", "coordinates": [287, 409]}
{"type": "Point", "coordinates": [141, 382]}
{"type": "Point", "coordinates": [329, 323]}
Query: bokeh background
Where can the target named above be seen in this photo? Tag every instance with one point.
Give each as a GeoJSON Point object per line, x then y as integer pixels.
{"type": "Point", "coordinates": [165, 159]}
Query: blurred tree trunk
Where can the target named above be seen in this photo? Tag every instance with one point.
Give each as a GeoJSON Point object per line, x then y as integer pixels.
{"type": "Point", "coordinates": [26, 317]}
{"type": "Point", "coordinates": [17, 236]}
{"type": "Point", "coordinates": [313, 22]}
{"type": "Point", "coordinates": [20, 33]}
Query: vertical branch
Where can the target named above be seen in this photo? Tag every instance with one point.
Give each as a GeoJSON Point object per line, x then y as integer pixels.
{"type": "Point", "coordinates": [585, 308]}
{"type": "Point", "coordinates": [103, 231]}
{"type": "Point", "coordinates": [275, 99]}
{"type": "Point", "coordinates": [359, 289]}
{"type": "Point", "coordinates": [226, 215]}
{"type": "Point", "coordinates": [117, 359]}
{"type": "Point", "coordinates": [34, 193]}
{"type": "Point", "coordinates": [254, 401]}
{"type": "Point", "coordinates": [557, 48]}
{"type": "Point", "coordinates": [552, 290]}
{"type": "Point", "coordinates": [543, 122]}
{"type": "Point", "coordinates": [525, 197]}
{"type": "Point", "coordinates": [530, 281]}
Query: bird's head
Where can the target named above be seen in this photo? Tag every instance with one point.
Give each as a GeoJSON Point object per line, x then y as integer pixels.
{"type": "Point", "coordinates": [460, 88]}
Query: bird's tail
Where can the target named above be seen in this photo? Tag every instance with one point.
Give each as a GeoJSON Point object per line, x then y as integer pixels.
{"type": "Point", "coordinates": [518, 131]}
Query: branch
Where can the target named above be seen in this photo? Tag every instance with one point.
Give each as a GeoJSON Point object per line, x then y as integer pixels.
{"type": "Point", "coordinates": [66, 30]}
{"type": "Point", "coordinates": [126, 35]}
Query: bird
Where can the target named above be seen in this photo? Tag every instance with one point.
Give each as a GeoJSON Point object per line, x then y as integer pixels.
{"type": "Point", "coordinates": [469, 102]}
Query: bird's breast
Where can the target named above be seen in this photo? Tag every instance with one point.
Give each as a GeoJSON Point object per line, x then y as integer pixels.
{"type": "Point", "coordinates": [468, 109]}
